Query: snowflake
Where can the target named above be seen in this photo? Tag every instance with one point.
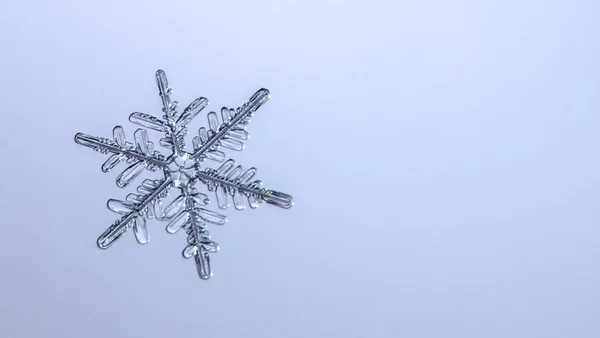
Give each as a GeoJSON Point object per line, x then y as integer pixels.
{"type": "Point", "coordinates": [182, 170]}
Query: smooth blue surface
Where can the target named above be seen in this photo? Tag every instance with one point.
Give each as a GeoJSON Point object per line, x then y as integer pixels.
{"type": "Point", "coordinates": [443, 155]}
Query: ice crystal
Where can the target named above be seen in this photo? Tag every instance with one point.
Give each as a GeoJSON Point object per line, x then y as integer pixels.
{"type": "Point", "coordinates": [183, 171]}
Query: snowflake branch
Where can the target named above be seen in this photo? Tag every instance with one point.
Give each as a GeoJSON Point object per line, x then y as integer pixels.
{"type": "Point", "coordinates": [192, 218]}
{"type": "Point", "coordinates": [124, 149]}
{"type": "Point", "coordinates": [200, 246]}
{"type": "Point", "coordinates": [175, 135]}
{"type": "Point", "coordinates": [229, 180]}
{"type": "Point", "coordinates": [169, 107]}
{"type": "Point", "coordinates": [134, 211]}
{"type": "Point", "coordinates": [231, 119]}
{"type": "Point", "coordinates": [199, 242]}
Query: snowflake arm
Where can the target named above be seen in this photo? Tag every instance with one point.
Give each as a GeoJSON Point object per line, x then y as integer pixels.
{"type": "Point", "coordinates": [199, 242]}
{"type": "Point", "coordinates": [231, 132]}
{"type": "Point", "coordinates": [185, 213]}
{"type": "Point", "coordinates": [139, 156]}
{"type": "Point", "coordinates": [176, 121]}
{"type": "Point", "coordinates": [174, 124]}
{"type": "Point", "coordinates": [230, 179]}
{"type": "Point", "coordinates": [169, 106]}
{"type": "Point", "coordinates": [135, 209]}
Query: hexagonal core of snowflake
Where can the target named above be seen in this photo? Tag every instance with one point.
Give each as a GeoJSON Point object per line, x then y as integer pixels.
{"type": "Point", "coordinates": [181, 169]}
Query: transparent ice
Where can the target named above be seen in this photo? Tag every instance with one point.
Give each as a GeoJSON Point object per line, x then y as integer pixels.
{"type": "Point", "coordinates": [183, 171]}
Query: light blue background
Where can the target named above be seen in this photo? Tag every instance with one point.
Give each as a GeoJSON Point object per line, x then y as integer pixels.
{"type": "Point", "coordinates": [443, 155]}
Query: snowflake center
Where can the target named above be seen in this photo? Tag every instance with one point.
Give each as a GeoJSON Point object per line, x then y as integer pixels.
{"type": "Point", "coordinates": [181, 169]}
